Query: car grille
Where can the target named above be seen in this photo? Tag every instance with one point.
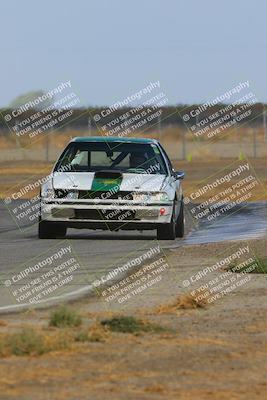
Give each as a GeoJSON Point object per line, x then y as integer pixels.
{"type": "Point", "coordinates": [61, 193]}
{"type": "Point", "coordinates": [105, 195]}
{"type": "Point", "coordinates": [107, 215]}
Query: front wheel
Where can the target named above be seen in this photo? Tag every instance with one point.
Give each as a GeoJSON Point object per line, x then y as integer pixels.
{"type": "Point", "coordinates": [179, 228]}
{"type": "Point", "coordinates": [47, 230]}
{"type": "Point", "coordinates": [167, 231]}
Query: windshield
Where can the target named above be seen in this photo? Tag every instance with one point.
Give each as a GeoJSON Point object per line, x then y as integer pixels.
{"type": "Point", "coordinates": [124, 157]}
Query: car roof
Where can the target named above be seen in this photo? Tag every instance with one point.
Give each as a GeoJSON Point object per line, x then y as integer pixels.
{"type": "Point", "coordinates": [107, 139]}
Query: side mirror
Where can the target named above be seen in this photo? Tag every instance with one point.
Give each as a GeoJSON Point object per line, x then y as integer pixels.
{"type": "Point", "coordinates": [179, 174]}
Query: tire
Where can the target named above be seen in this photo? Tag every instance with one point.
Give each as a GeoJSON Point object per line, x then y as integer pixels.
{"type": "Point", "coordinates": [47, 230]}
{"type": "Point", "coordinates": [179, 227]}
{"type": "Point", "coordinates": [167, 231]}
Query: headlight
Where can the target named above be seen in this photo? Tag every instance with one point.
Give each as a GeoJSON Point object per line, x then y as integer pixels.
{"type": "Point", "coordinates": [160, 196]}
{"type": "Point", "coordinates": [72, 195]}
{"type": "Point", "coordinates": [67, 194]}
{"type": "Point", "coordinates": [150, 197]}
{"type": "Point", "coordinates": [48, 193]}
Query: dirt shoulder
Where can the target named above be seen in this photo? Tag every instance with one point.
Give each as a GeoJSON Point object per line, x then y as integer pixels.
{"type": "Point", "coordinates": [216, 352]}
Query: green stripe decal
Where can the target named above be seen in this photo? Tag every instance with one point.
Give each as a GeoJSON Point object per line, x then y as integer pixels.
{"type": "Point", "coordinates": [106, 184]}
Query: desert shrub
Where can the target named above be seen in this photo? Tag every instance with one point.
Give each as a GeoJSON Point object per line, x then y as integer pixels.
{"type": "Point", "coordinates": [65, 318]}
{"type": "Point", "coordinates": [25, 342]}
{"type": "Point", "coordinates": [128, 324]}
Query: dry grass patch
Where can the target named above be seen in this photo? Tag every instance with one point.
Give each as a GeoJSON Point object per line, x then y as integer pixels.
{"type": "Point", "coordinates": [96, 333]}
{"type": "Point", "coordinates": [155, 389]}
{"type": "Point", "coordinates": [183, 302]}
{"type": "Point", "coordinates": [30, 342]}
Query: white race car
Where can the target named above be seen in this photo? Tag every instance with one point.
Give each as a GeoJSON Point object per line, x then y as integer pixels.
{"type": "Point", "coordinates": [112, 184]}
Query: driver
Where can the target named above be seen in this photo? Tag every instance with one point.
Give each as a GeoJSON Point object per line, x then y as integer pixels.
{"type": "Point", "coordinates": [137, 160]}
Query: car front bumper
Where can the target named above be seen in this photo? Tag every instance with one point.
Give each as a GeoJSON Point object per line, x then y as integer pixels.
{"type": "Point", "coordinates": [100, 215]}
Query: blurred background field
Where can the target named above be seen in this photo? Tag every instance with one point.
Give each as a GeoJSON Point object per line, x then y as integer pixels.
{"type": "Point", "coordinates": [24, 162]}
{"type": "Point", "coordinates": [179, 143]}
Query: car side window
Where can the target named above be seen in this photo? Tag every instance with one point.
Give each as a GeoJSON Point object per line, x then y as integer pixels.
{"type": "Point", "coordinates": [81, 158]}
{"type": "Point", "coordinates": [167, 158]}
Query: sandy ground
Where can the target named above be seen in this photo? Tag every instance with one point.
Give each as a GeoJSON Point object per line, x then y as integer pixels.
{"type": "Point", "coordinates": [216, 352]}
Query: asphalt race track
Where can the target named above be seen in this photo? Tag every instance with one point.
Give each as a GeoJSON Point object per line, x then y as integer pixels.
{"type": "Point", "coordinates": [98, 253]}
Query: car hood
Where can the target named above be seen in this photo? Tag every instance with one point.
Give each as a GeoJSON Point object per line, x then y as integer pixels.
{"type": "Point", "coordinates": [128, 182]}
